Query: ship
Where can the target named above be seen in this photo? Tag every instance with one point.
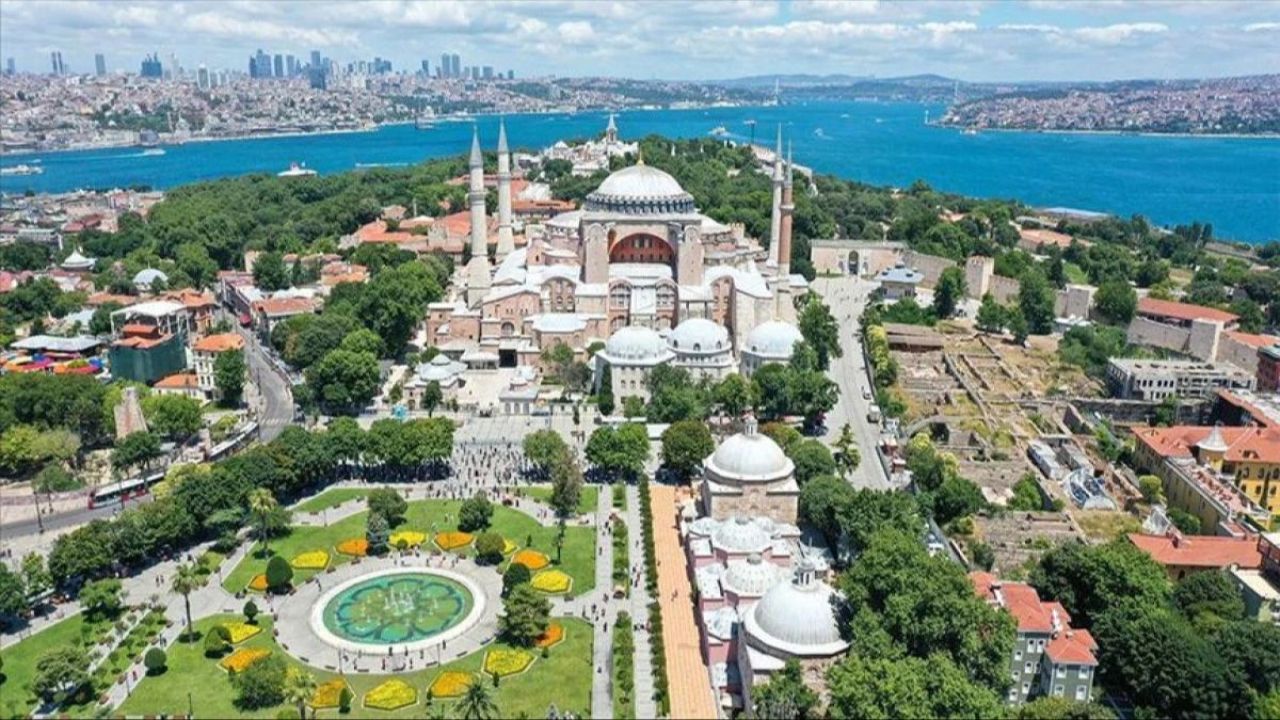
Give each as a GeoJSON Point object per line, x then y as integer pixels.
{"type": "Point", "coordinates": [152, 151]}
{"type": "Point", "coordinates": [719, 131]}
{"type": "Point", "coordinates": [296, 170]}
{"type": "Point", "coordinates": [22, 170]}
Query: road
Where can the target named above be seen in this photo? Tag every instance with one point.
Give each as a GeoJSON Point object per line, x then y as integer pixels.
{"type": "Point", "coordinates": [847, 297]}
{"type": "Point", "coordinates": [274, 399]}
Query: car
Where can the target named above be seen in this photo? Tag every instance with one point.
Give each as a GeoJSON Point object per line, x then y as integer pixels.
{"type": "Point", "coordinates": [866, 394]}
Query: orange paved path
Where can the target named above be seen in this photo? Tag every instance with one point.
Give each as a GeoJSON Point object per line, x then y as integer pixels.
{"type": "Point", "coordinates": [690, 682]}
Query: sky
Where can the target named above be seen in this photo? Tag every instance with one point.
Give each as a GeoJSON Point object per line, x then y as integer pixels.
{"type": "Point", "coordinates": [977, 40]}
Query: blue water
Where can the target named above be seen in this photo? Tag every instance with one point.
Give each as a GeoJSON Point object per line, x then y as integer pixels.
{"type": "Point", "coordinates": [1233, 183]}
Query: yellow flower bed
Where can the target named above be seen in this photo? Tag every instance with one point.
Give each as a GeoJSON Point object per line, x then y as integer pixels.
{"type": "Point", "coordinates": [451, 684]}
{"type": "Point", "coordinates": [328, 694]}
{"type": "Point", "coordinates": [259, 582]}
{"type": "Point", "coordinates": [241, 631]}
{"type": "Point", "coordinates": [504, 662]}
{"type": "Point", "coordinates": [552, 581]}
{"type": "Point", "coordinates": [355, 547]}
{"type": "Point", "coordinates": [311, 560]}
{"type": "Point", "coordinates": [531, 559]}
{"type": "Point", "coordinates": [453, 540]}
{"type": "Point", "coordinates": [241, 659]}
{"type": "Point", "coordinates": [412, 538]}
{"type": "Point", "coordinates": [391, 695]}
{"type": "Point", "coordinates": [508, 547]}
{"type": "Point", "coordinates": [553, 636]}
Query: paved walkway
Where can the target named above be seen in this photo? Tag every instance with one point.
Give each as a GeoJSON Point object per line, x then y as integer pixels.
{"type": "Point", "coordinates": [639, 601]}
{"type": "Point", "coordinates": [687, 675]}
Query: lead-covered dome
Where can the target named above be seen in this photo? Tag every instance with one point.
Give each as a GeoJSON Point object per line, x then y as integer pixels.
{"type": "Point", "coordinates": [773, 339]}
{"type": "Point", "coordinates": [740, 535]}
{"type": "Point", "coordinates": [634, 344]}
{"type": "Point", "coordinates": [640, 190]}
{"type": "Point", "coordinates": [797, 618]}
{"type": "Point", "coordinates": [751, 577]}
{"type": "Point", "coordinates": [699, 335]}
{"type": "Point", "coordinates": [749, 457]}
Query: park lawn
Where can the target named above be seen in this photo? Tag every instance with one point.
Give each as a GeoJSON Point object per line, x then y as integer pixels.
{"type": "Point", "coordinates": [331, 498]}
{"type": "Point", "coordinates": [428, 516]}
{"type": "Point", "coordinates": [563, 678]}
{"type": "Point", "coordinates": [20, 663]}
{"type": "Point", "coordinates": [586, 501]}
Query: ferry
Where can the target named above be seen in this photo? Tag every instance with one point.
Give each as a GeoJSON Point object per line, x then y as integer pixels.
{"type": "Point", "coordinates": [22, 170]}
{"type": "Point", "coordinates": [719, 131]}
{"type": "Point", "coordinates": [149, 152]}
{"type": "Point", "coordinates": [969, 131]}
{"type": "Point", "coordinates": [296, 170]}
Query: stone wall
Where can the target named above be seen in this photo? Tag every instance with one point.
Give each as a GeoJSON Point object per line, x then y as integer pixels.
{"type": "Point", "coordinates": [1004, 289]}
{"type": "Point", "coordinates": [1201, 340]}
{"type": "Point", "coordinates": [1074, 301]}
{"type": "Point", "coordinates": [931, 266]}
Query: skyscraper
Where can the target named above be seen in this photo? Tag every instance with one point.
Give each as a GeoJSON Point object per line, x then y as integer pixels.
{"type": "Point", "coordinates": [10, 67]}
{"type": "Point", "coordinates": [279, 65]}
{"type": "Point", "coordinates": [426, 69]}
{"type": "Point", "coordinates": [55, 59]}
{"type": "Point", "coordinates": [290, 65]}
{"type": "Point", "coordinates": [100, 64]}
{"type": "Point", "coordinates": [315, 59]}
{"type": "Point", "coordinates": [202, 77]}
{"type": "Point", "coordinates": [455, 65]}
{"type": "Point", "coordinates": [488, 72]}
{"type": "Point", "coordinates": [443, 68]}
{"type": "Point", "coordinates": [151, 67]}
{"type": "Point", "coordinates": [475, 72]}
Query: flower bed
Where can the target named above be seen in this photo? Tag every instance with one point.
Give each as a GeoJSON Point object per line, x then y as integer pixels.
{"type": "Point", "coordinates": [241, 631]}
{"type": "Point", "coordinates": [508, 547]}
{"type": "Point", "coordinates": [391, 695]}
{"type": "Point", "coordinates": [355, 547]}
{"type": "Point", "coordinates": [552, 637]}
{"type": "Point", "coordinates": [311, 560]}
{"type": "Point", "coordinates": [552, 581]}
{"type": "Point", "coordinates": [453, 540]}
{"type": "Point", "coordinates": [241, 659]}
{"type": "Point", "coordinates": [412, 538]}
{"type": "Point", "coordinates": [258, 583]}
{"type": "Point", "coordinates": [503, 662]}
{"type": "Point", "coordinates": [531, 559]}
{"type": "Point", "coordinates": [451, 684]}
{"type": "Point", "coordinates": [328, 694]}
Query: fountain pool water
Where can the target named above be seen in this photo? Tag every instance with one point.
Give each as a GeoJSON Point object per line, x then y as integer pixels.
{"type": "Point", "coordinates": [398, 608]}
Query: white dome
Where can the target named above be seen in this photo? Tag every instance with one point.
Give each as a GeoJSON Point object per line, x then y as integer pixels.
{"type": "Point", "coordinates": [640, 181]}
{"type": "Point", "coordinates": [774, 338]}
{"type": "Point", "coordinates": [750, 456]}
{"type": "Point", "coordinates": [699, 335]}
{"type": "Point", "coordinates": [797, 618]}
{"type": "Point", "coordinates": [148, 276]}
{"type": "Point", "coordinates": [740, 535]}
{"type": "Point", "coordinates": [752, 577]}
{"type": "Point", "coordinates": [635, 343]}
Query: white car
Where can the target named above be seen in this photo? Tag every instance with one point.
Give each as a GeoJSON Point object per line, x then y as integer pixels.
{"type": "Point", "coordinates": [866, 393]}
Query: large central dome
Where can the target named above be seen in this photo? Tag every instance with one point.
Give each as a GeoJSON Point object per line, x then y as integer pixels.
{"type": "Point", "coordinates": [640, 190]}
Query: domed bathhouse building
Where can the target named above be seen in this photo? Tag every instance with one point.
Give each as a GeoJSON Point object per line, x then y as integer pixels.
{"type": "Point", "coordinates": [749, 475]}
{"type": "Point", "coordinates": [770, 342]}
{"type": "Point", "coordinates": [631, 353]}
{"type": "Point", "coordinates": [637, 254]}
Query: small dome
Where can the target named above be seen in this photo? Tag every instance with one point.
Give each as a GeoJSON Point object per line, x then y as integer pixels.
{"type": "Point", "coordinates": [750, 456]}
{"type": "Point", "coordinates": [752, 577]}
{"type": "Point", "coordinates": [148, 276]}
{"type": "Point", "coordinates": [699, 335]}
{"type": "Point", "coordinates": [774, 339]}
{"type": "Point", "coordinates": [740, 535]}
{"type": "Point", "coordinates": [634, 343]}
{"type": "Point", "coordinates": [797, 618]}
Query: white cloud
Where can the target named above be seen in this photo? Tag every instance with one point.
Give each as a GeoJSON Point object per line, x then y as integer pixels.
{"type": "Point", "coordinates": [578, 31]}
{"type": "Point", "coordinates": [1262, 26]}
{"type": "Point", "coordinates": [1118, 33]}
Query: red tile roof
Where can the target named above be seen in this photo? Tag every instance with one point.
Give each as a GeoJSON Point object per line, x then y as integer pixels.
{"type": "Point", "coordinates": [1183, 311]}
{"type": "Point", "coordinates": [1073, 647]}
{"type": "Point", "coordinates": [178, 381]}
{"type": "Point", "coordinates": [219, 342]}
{"type": "Point", "coordinates": [1253, 444]}
{"type": "Point", "coordinates": [1253, 340]}
{"type": "Point", "coordinates": [285, 306]}
{"type": "Point", "coordinates": [1201, 551]}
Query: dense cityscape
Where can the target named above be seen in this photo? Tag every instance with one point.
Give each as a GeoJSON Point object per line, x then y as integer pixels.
{"type": "Point", "coordinates": [619, 426]}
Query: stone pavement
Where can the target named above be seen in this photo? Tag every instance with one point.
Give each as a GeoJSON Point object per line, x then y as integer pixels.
{"type": "Point", "coordinates": [639, 601]}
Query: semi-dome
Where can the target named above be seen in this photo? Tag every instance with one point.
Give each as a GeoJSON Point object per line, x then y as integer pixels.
{"type": "Point", "coordinates": [699, 335]}
{"type": "Point", "coordinates": [740, 535]}
{"type": "Point", "coordinates": [773, 339]}
{"type": "Point", "coordinates": [752, 577]}
{"type": "Point", "coordinates": [797, 617]}
{"type": "Point", "coordinates": [636, 344]}
{"type": "Point", "coordinates": [640, 189]}
{"type": "Point", "coordinates": [749, 456]}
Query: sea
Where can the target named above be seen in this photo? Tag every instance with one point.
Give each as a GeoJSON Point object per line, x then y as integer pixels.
{"type": "Point", "coordinates": [1231, 182]}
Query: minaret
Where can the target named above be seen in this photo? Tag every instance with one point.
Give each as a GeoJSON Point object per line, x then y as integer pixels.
{"type": "Point", "coordinates": [478, 279]}
{"type": "Point", "coordinates": [506, 241]}
{"type": "Point", "coordinates": [786, 307]}
{"type": "Point", "coordinates": [775, 217]}
{"type": "Point", "coordinates": [611, 131]}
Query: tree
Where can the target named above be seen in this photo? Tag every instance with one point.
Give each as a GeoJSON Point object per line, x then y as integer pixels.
{"type": "Point", "coordinates": [261, 685]}
{"type": "Point", "coordinates": [1166, 413]}
{"type": "Point", "coordinates": [545, 447]}
{"type": "Point", "coordinates": [269, 272]}
{"type": "Point", "coordinates": [18, 448]}
{"type": "Point", "coordinates": [155, 660]}
{"type": "Point", "coordinates": [949, 291]}
{"type": "Point", "coordinates": [811, 394]}
{"type": "Point", "coordinates": [622, 450]}
{"type": "Point", "coordinates": [35, 576]}
{"type": "Point", "coordinates": [59, 674]}
{"type": "Point", "coordinates": [477, 704]}
{"type": "Point", "coordinates": [475, 513]}
{"type": "Point", "coordinates": [1186, 523]}
{"type": "Point", "coordinates": [847, 456]}
{"type": "Point", "coordinates": [811, 459]}
{"type": "Point", "coordinates": [1088, 579]}
{"type": "Point", "coordinates": [489, 547]}
{"type": "Point", "coordinates": [176, 417]}
{"type": "Point", "coordinates": [516, 574]}
{"type": "Point", "coordinates": [822, 500]}
{"type": "Point", "coordinates": [1035, 301]}
{"type": "Point", "coordinates": [1026, 495]}
{"type": "Point", "coordinates": [299, 688]}
{"type": "Point", "coordinates": [956, 498]}
{"type": "Point", "coordinates": [185, 581]}
{"type": "Point", "coordinates": [100, 323]}
{"type": "Point", "coordinates": [1116, 301]}
{"type": "Point", "coordinates": [734, 395]}
{"type": "Point", "coordinates": [785, 696]}
{"type": "Point", "coordinates": [344, 700]}
{"type": "Point", "coordinates": [907, 687]}
{"type": "Point", "coordinates": [13, 592]}
{"type": "Point", "coordinates": [783, 434]}
{"type": "Point", "coordinates": [432, 396]}
{"type": "Point", "coordinates": [217, 641]}
{"type": "Point", "coordinates": [261, 504]}
{"type": "Point", "coordinates": [343, 380]}
{"type": "Point", "coordinates": [279, 574]}
{"type": "Point", "coordinates": [1208, 594]}
{"type": "Point", "coordinates": [525, 615]}
{"type": "Point", "coordinates": [377, 532]}
{"type": "Point", "coordinates": [1151, 488]}
{"type": "Point", "coordinates": [685, 444]}
{"type": "Point", "coordinates": [1056, 708]}
{"type": "Point", "coordinates": [362, 340]}
{"type": "Point", "coordinates": [250, 611]}
{"type": "Point", "coordinates": [100, 599]}
{"type": "Point", "coordinates": [387, 503]}
{"type": "Point", "coordinates": [138, 448]}
{"type": "Point", "coordinates": [229, 371]}
{"type": "Point", "coordinates": [557, 359]}
{"type": "Point", "coordinates": [1252, 650]}
{"type": "Point", "coordinates": [820, 331]}
{"type": "Point", "coordinates": [566, 488]}
{"type": "Point", "coordinates": [992, 316]}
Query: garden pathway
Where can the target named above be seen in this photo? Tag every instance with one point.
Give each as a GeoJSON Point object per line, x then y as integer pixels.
{"type": "Point", "coordinates": [639, 609]}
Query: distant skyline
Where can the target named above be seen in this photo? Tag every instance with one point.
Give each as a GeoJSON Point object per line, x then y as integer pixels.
{"type": "Point", "coordinates": [977, 40]}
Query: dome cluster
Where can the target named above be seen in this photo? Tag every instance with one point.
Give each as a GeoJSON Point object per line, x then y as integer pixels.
{"type": "Point", "coordinates": [636, 344]}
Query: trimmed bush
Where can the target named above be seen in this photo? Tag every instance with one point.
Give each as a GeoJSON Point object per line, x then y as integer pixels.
{"type": "Point", "coordinates": [155, 661]}
{"type": "Point", "coordinates": [279, 574]}
{"type": "Point", "coordinates": [250, 612]}
{"type": "Point", "coordinates": [215, 644]}
{"type": "Point", "coordinates": [516, 574]}
{"type": "Point", "coordinates": [489, 546]}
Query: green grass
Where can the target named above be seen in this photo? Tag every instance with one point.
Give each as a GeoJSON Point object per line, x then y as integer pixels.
{"type": "Point", "coordinates": [331, 498]}
{"type": "Point", "coordinates": [578, 557]}
{"type": "Point", "coordinates": [20, 663]}
{"type": "Point", "coordinates": [586, 502]}
{"type": "Point", "coordinates": [620, 496]}
{"type": "Point", "coordinates": [1075, 274]}
{"type": "Point", "coordinates": [563, 678]}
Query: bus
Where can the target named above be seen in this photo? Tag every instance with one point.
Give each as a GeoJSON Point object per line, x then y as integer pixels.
{"type": "Point", "coordinates": [123, 491]}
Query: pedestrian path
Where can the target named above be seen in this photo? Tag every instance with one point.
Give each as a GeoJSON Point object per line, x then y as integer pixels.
{"type": "Point", "coordinates": [639, 601]}
{"type": "Point", "coordinates": [602, 648]}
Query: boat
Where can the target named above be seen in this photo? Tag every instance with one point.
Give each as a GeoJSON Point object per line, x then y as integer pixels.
{"type": "Point", "coordinates": [818, 133]}
{"type": "Point", "coordinates": [296, 170]}
{"type": "Point", "coordinates": [152, 151]}
{"type": "Point", "coordinates": [719, 131]}
{"type": "Point", "coordinates": [844, 115]}
{"type": "Point", "coordinates": [969, 131]}
{"type": "Point", "coordinates": [22, 170]}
